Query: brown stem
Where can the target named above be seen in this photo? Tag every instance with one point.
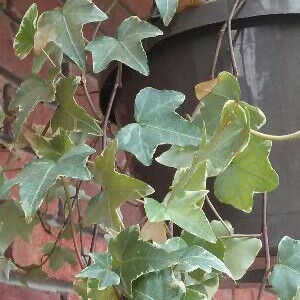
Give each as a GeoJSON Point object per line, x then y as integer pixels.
{"type": "Point", "coordinates": [220, 39]}
{"type": "Point", "coordinates": [45, 226]}
{"type": "Point", "coordinates": [266, 246]}
{"type": "Point", "coordinates": [78, 254]}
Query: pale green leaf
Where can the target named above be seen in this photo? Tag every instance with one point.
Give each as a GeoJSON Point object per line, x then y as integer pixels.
{"type": "Point", "coordinates": [101, 269]}
{"type": "Point", "coordinates": [116, 189]}
{"type": "Point", "coordinates": [173, 244]}
{"type": "Point", "coordinates": [157, 123]}
{"type": "Point", "coordinates": [33, 90]}
{"type": "Point", "coordinates": [126, 48]}
{"type": "Point", "coordinates": [69, 115]}
{"type": "Point", "coordinates": [194, 295]}
{"type": "Point", "coordinates": [285, 277]}
{"type": "Point", "coordinates": [249, 173]}
{"type": "Point", "coordinates": [6, 266]}
{"type": "Point", "coordinates": [23, 42]}
{"type": "Point", "coordinates": [43, 175]}
{"type": "Point", "coordinates": [59, 256]}
{"type": "Point", "coordinates": [13, 224]}
{"type": "Point", "coordinates": [162, 285]}
{"type": "Point", "coordinates": [63, 26]}
{"type": "Point", "coordinates": [134, 257]}
{"type": "Point", "coordinates": [167, 9]}
{"type": "Point", "coordinates": [53, 51]}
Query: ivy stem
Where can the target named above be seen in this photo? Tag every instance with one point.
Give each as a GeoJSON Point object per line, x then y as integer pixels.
{"type": "Point", "coordinates": [217, 214]}
{"type": "Point", "coordinates": [233, 236]}
{"type": "Point", "coordinates": [266, 246]}
{"type": "Point", "coordinates": [277, 138]}
{"type": "Point", "coordinates": [49, 58]}
{"type": "Point", "coordinates": [78, 254]}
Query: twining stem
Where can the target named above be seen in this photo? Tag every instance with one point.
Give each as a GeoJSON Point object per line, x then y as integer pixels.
{"type": "Point", "coordinates": [233, 236]}
{"type": "Point", "coordinates": [217, 214]}
{"type": "Point", "coordinates": [78, 254]}
{"type": "Point", "coordinates": [266, 246]}
{"type": "Point", "coordinates": [277, 138]}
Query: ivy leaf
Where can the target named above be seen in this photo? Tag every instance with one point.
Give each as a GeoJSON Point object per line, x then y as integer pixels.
{"type": "Point", "coordinates": [285, 277]}
{"type": "Point", "coordinates": [162, 285]}
{"type": "Point", "coordinates": [167, 9]}
{"type": "Point", "coordinates": [11, 213]}
{"type": "Point", "coordinates": [101, 270]}
{"type": "Point", "coordinates": [134, 257]}
{"type": "Point", "coordinates": [126, 48]}
{"type": "Point", "coordinates": [173, 244]}
{"type": "Point", "coordinates": [194, 295]}
{"type": "Point", "coordinates": [181, 204]}
{"type": "Point", "coordinates": [157, 123]}
{"type": "Point", "coordinates": [250, 172]}
{"type": "Point", "coordinates": [6, 266]}
{"type": "Point", "coordinates": [44, 173]}
{"type": "Point", "coordinates": [60, 256]}
{"type": "Point", "coordinates": [69, 115]}
{"type": "Point", "coordinates": [230, 138]}
{"type": "Point", "coordinates": [63, 26]}
{"type": "Point", "coordinates": [52, 51]}
{"type": "Point", "coordinates": [23, 42]}
{"type": "Point", "coordinates": [33, 90]}
{"type": "Point", "coordinates": [116, 189]}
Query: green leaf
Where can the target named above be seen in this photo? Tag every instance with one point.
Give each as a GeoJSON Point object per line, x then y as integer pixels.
{"type": "Point", "coordinates": [33, 90]}
{"type": "Point", "coordinates": [249, 173]}
{"type": "Point", "coordinates": [23, 42]}
{"type": "Point", "coordinates": [101, 270]}
{"type": "Point", "coordinates": [116, 189]}
{"type": "Point", "coordinates": [285, 277]}
{"type": "Point", "coordinates": [230, 138]}
{"type": "Point", "coordinates": [6, 266]}
{"type": "Point", "coordinates": [194, 295]}
{"type": "Point", "coordinates": [13, 224]}
{"type": "Point", "coordinates": [126, 48]}
{"type": "Point", "coordinates": [44, 173]}
{"type": "Point", "coordinates": [63, 26]}
{"type": "Point", "coordinates": [173, 244]}
{"type": "Point", "coordinates": [256, 116]}
{"type": "Point", "coordinates": [162, 285]}
{"type": "Point", "coordinates": [2, 116]}
{"type": "Point", "coordinates": [157, 123]}
{"type": "Point", "coordinates": [167, 9]}
{"type": "Point", "coordinates": [60, 256]}
{"type": "Point", "coordinates": [87, 289]}
{"type": "Point", "coordinates": [181, 204]}
{"type": "Point", "coordinates": [134, 257]}
{"type": "Point", "coordinates": [69, 115]}
{"type": "Point", "coordinates": [33, 272]}
{"type": "Point", "coordinates": [53, 51]}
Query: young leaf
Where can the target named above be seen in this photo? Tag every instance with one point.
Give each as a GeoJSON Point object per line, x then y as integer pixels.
{"type": "Point", "coordinates": [69, 115]}
{"type": "Point", "coordinates": [60, 256]}
{"type": "Point", "coordinates": [285, 277]}
{"type": "Point", "coordinates": [135, 258]}
{"type": "Point", "coordinates": [181, 204]}
{"type": "Point", "coordinates": [13, 224]}
{"type": "Point", "coordinates": [250, 172]}
{"type": "Point", "coordinates": [230, 138]}
{"type": "Point", "coordinates": [52, 51]}
{"type": "Point", "coordinates": [23, 42]}
{"type": "Point", "coordinates": [63, 26]}
{"type": "Point", "coordinates": [126, 48]}
{"type": "Point", "coordinates": [101, 270]}
{"type": "Point", "coordinates": [167, 9]}
{"type": "Point", "coordinates": [116, 189]}
{"type": "Point", "coordinates": [44, 173]}
{"type": "Point", "coordinates": [157, 123]}
{"type": "Point", "coordinates": [33, 90]}
{"type": "Point", "coordinates": [162, 285]}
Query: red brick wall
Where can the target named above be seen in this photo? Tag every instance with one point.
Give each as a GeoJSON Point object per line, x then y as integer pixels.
{"type": "Point", "coordinates": [12, 72]}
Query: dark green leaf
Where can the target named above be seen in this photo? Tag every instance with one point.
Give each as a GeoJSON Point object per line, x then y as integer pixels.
{"type": "Point", "coordinates": [126, 48]}
{"type": "Point", "coordinates": [23, 42]}
{"type": "Point", "coordinates": [63, 26]}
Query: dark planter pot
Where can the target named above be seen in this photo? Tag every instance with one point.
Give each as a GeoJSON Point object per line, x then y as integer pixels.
{"type": "Point", "coordinates": [267, 48]}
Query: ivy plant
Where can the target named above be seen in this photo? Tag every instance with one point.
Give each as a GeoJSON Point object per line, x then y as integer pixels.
{"type": "Point", "coordinates": [219, 142]}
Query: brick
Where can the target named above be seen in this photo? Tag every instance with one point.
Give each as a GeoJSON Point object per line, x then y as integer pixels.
{"type": "Point", "coordinates": [245, 294]}
{"type": "Point", "coordinates": [142, 8]}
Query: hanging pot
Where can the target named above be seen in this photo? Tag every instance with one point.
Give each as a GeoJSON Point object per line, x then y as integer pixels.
{"type": "Point", "coordinates": [267, 48]}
